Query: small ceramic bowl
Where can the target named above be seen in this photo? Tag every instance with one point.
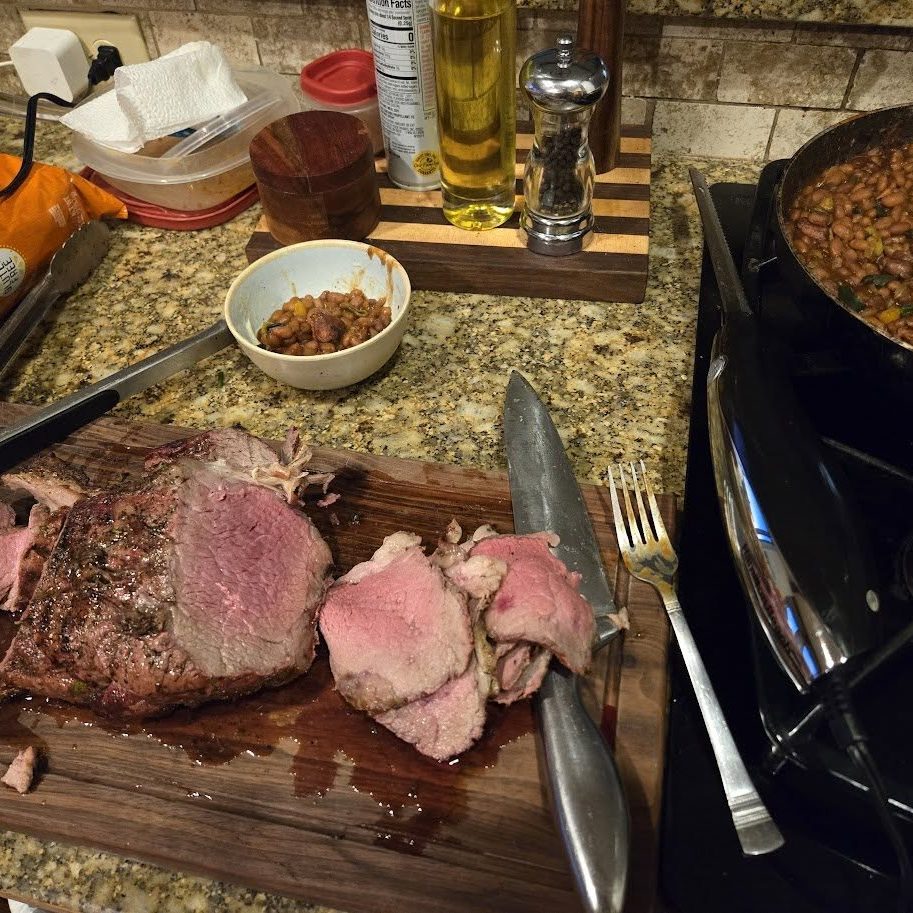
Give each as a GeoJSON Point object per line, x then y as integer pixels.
{"type": "Point", "coordinates": [308, 269]}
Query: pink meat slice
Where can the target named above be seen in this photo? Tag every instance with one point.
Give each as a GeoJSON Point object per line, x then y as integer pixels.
{"type": "Point", "coordinates": [395, 628]}
{"type": "Point", "coordinates": [232, 543]}
{"type": "Point", "coordinates": [525, 679]}
{"type": "Point", "coordinates": [43, 530]}
{"type": "Point", "coordinates": [7, 516]}
{"type": "Point", "coordinates": [13, 545]}
{"type": "Point", "coordinates": [539, 600]}
{"type": "Point", "coordinates": [49, 480]}
{"type": "Point", "coordinates": [445, 723]}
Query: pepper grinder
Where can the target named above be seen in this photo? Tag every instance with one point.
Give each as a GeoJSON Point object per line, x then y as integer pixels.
{"type": "Point", "coordinates": [563, 85]}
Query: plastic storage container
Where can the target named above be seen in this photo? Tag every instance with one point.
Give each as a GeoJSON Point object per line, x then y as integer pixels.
{"type": "Point", "coordinates": [207, 176]}
{"type": "Point", "coordinates": [344, 81]}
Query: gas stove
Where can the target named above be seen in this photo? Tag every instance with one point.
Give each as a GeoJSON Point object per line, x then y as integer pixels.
{"type": "Point", "coordinates": [835, 857]}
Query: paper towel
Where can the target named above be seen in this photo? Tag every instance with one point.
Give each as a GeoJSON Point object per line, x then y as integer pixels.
{"type": "Point", "coordinates": [182, 89]}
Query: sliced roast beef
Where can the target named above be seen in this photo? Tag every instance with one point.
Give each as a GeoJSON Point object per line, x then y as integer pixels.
{"type": "Point", "coordinates": [235, 448]}
{"type": "Point", "coordinates": [539, 600]}
{"type": "Point", "coordinates": [388, 633]}
{"type": "Point", "coordinates": [49, 480]}
{"type": "Point", "coordinates": [396, 629]}
{"type": "Point", "coordinates": [43, 529]}
{"type": "Point", "coordinates": [447, 722]}
{"type": "Point", "coordinates": [13, 545]}
{"type": "Point", "coordinates": [197, 583]}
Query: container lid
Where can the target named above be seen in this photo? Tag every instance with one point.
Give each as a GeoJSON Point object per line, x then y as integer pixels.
{"type": "Point", "coordinates": [312, 152]}
{"type": "Point", "coordinates": [340, 78]}
{"type": "Point", "coordinates": [223, 153]}
{"type": "Point", "coordinates": [564, 78]}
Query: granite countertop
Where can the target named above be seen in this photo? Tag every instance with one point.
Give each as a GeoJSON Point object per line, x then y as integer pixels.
{"type": "Point", "coordinates": [863, 12]}
{"type": "Point", "coordinates": [617, 377]}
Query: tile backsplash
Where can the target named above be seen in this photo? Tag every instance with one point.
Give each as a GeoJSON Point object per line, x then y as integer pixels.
{"type": "Point", "coordinates": [712, 87]}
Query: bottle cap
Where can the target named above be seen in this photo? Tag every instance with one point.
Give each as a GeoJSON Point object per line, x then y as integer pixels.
{"type": "Point", "coordinates": [341, 78]}
{"type": "Point", "coordinates": [564, 78]}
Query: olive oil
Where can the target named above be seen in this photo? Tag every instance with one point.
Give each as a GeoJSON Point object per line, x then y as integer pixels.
{"type": "Point", "coordinates": [474, 59]}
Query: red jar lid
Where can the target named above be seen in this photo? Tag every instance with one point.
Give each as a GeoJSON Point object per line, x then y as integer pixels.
{"type": "Point", "coordinates": [340, 78]}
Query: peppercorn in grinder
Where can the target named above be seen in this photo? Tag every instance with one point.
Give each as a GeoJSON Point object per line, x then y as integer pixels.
{"type": "Point", "coordinates": [564, 85]}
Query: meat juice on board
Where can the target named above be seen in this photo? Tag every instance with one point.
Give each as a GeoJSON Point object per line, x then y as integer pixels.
{"type": "Point", "coordinates": [404, 64]}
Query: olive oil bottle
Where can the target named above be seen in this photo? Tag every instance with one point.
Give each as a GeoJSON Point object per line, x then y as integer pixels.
{"type": "Point", "coordinates": [474, 59]}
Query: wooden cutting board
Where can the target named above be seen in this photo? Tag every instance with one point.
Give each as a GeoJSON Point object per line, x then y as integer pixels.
{"type": "Point", "coordinates": [442, 257]}
{"type": "Point", "coordinates": [289, 791]}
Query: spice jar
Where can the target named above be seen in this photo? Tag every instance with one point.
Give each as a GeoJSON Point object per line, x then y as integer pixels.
{"type": "Point", "coordinates": [563, 85]}
{"type": "Point", "coordinates": [316, 177]}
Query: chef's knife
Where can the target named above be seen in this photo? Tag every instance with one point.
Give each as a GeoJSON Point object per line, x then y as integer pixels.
{"type": "Point", "coordinates": [54, 422]}
{"type": "Point", "coordinates": [587, 797]}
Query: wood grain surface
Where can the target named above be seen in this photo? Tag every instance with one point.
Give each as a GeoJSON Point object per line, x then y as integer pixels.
{"type": "Point", "coordinates": [442, 257]}
{"type": "Point", "coordinates": [291, 792]}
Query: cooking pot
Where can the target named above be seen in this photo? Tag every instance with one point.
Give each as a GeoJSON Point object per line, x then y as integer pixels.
{"type": "Point", "coordinates": [870, 347]}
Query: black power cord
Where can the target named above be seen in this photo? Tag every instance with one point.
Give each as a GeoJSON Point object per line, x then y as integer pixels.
{"type": "Point", "coordinates": [102, 68]}
{"type": "Point", "coordinates": [28, 144]}
{"type": "Point", "coordinates": [851, 737]}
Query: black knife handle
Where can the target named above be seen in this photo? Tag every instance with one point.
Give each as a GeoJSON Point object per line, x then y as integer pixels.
{"type": "Point", "coordinates": [52, 423]}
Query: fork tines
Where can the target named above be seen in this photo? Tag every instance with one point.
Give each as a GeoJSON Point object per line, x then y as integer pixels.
{"type": "Point", "coordinates": [641, 526]}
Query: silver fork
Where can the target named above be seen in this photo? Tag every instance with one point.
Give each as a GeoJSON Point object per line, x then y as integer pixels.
{"type": "Point", "coordinates": [649, 556]}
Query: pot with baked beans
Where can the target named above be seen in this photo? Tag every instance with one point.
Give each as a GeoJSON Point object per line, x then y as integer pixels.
{"type": "Point", "coordinates": [845, 210]}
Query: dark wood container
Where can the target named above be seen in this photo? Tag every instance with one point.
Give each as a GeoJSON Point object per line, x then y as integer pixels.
{"type": "Point", "coordinates": [315, 172]}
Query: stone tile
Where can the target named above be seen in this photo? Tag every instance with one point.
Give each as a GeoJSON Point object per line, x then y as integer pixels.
{"type": "Point", "coordinates": [125, 6]}
{"type": "Point", "coordinates": [642, 24]}
{"type": "Point", "coordinates": [794, 127]}
{"type": "Point", "coordinates": [685, 68]}
{"type": "Point", "coordinates": [849, 37]}
{"type": "Point", "coordinates": [732, 30]}
{"type": "Point", "coordinates": [769, 73]}
{"type": "Point", "coordinates": [11, 28]}
{"type": "Point", "coordinates": [636, 110]}
{"type": "Point", "coordinates": [287, 44]}
{"type": "Point", "coordinates": [883, 78]}
{"type": "Point", "coordinates": [251, 7]}
{"type": "Point", "coordinates": [714, 131]}
{"type": "Point", "coordinates": [9, 81]}
{"type": "Point", "coordinates": [145, 26]}
{"type": "Point", "coordinates": [234, 34]}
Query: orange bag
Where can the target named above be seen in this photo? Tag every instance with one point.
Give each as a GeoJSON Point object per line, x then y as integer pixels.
{"type": "Point", "coordinates": [37, 219]}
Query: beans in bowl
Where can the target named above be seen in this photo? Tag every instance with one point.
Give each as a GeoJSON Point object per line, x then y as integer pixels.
{"type": "Point", "coordinates": [329, 323]}
{"type": "Point", "coordinates": [852, 226]}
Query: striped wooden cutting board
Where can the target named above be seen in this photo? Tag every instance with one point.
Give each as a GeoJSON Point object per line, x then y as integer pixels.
{"type": "Point", "coordinates": [439, 256]}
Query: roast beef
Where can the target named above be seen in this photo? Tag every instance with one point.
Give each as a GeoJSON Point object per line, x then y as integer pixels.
{"type": "Point", "coordinates": [195, 584]}
{"type": "Point", "coordinates": [422, 643]}
{"type": "Point", "coordinates": [49, 480]}
{"type": "Point", "coordinates": [539, 600]}
{"type": "Point", "coordinates": [395, 628]}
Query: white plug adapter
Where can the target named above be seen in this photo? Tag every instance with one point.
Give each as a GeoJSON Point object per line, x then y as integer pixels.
{"type": "Point", "coordinates": [51, 60]}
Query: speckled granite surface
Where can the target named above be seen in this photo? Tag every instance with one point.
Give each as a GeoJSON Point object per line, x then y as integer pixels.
{"type": "Point", "coordinates": [617, 377]}
{"type": "Point", "coordinates": [870, 12]}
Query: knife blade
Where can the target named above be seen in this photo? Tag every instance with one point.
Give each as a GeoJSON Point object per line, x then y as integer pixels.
{"type": "Point", "coordinates": [55, 421]}
{"type": "Point", "coordinates": [587, 797]}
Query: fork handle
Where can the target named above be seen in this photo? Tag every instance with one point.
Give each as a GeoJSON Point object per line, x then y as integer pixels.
{"type": "Point", "coordinates": [755, 828]}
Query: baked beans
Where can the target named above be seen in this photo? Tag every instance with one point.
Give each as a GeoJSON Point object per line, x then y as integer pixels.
{"type": "Point", "coordinates": [329, 323]}
{"type": "Point", "coordinates": [852, 227]}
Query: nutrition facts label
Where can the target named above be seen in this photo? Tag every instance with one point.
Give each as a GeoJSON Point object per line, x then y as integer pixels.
{"type": "Point", "coordinates": [401, 41]}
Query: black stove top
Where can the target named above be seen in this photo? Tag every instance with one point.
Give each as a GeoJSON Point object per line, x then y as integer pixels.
{"type": "Point", "coordinates": [835, 858]}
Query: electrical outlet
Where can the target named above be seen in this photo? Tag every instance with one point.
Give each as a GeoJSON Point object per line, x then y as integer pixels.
{"type": "Point", "coordinates": [95, 29]}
